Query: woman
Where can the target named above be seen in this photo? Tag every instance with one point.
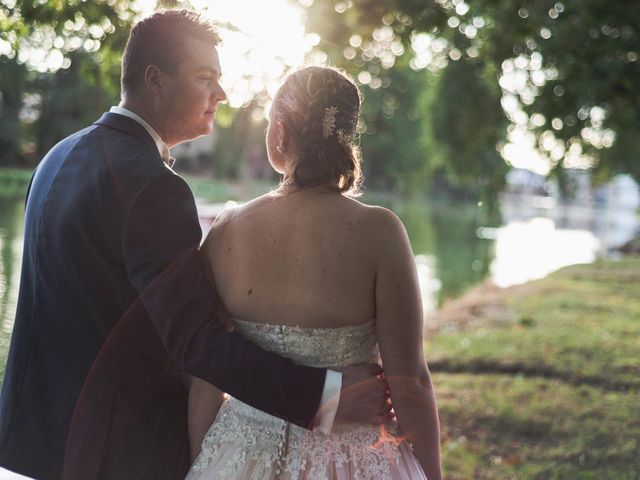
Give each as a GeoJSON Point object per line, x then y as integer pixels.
{"type": "Point", "coordinates": [335, 282]}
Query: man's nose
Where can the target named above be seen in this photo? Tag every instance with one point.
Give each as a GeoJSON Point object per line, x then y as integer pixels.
{"type": "Point", "coordinates": [219, 94]}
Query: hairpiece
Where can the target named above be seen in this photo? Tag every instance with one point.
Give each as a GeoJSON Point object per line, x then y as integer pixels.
{"type": "Point", "coordinates": [329, 121]}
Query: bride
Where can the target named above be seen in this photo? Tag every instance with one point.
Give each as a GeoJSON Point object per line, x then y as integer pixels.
{"type": "Point", "coordinates": [316, 276]}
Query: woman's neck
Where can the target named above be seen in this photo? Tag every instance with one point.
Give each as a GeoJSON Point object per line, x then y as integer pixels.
{"type": "Point", "coordinates": [286, 188]}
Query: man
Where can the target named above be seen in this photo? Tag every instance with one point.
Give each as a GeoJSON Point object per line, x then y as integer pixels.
{"type": "Point", "coordinates": [114, 301]}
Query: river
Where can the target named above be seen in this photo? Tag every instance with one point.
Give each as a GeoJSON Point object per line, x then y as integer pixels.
{"type": "Point", "coordinates": [455, 245]}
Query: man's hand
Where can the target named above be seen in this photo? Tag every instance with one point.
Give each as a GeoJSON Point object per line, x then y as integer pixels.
{"type": "Point", "coordinates": [364, 397]}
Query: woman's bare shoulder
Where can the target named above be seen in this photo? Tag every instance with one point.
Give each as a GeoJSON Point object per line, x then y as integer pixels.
{"type": "Point", "coordinates": [383, 234]}
{"type": "Point", "coordinates": [379, 219]}
{"type": "Point", "coordinates": [236, 212]}
{"type": "Point", "coordinates": [232, 214]}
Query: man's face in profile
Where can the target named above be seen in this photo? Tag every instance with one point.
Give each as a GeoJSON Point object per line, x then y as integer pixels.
{"type": "Point", "coordinates": [193, 92]}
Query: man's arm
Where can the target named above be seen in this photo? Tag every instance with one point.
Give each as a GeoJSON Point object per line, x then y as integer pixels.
{"type": "Point", "coordinates": [160, 248]}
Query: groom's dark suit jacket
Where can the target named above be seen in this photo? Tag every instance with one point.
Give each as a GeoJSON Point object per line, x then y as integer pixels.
{"type": "Point", "coordinates": [114, 304]}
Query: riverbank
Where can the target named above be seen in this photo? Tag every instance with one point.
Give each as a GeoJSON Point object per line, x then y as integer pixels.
{"type": "Point", "coordinates": [542, 381]}
{"type": "Point", "coordinates": [538, 381]}
{"type": "Point", "coordinates": [14, 183]}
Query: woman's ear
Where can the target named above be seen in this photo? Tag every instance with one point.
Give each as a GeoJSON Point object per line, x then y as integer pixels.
{"type": "Point", "coordinates": [283, 137]}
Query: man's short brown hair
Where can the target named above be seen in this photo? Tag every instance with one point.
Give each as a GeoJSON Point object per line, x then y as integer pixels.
{"type": "Point", "coordinates": [159, 39]}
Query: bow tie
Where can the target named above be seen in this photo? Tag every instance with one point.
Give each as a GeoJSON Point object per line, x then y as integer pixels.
{"type": "Point", "coordinates": [166, 156]}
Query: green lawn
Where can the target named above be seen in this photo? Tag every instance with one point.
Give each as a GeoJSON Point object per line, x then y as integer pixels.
{"type": "Point", "coordinates": [211, 190]}
{"type": "Point", "coordinates": [542, 381]}
{"type": "Point", "coordinates": [14, 182]}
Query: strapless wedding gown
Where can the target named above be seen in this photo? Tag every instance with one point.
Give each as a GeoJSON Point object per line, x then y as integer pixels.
{"type": "Point", "coordinates": [247, 444]}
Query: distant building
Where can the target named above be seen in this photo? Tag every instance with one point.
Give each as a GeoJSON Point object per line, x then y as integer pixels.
{"type": "Point", "coordinates": [621, 192]}
{"type": "Point", "coordinates": [520, 180]}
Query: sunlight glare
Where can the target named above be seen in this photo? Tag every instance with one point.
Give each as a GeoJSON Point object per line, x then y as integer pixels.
{"type": "Point", "coordinates": [261, 42]}
{"type": "Point", "coordinates": [258, 51]}
{"type": "Point", "coordinates": [528, 250]}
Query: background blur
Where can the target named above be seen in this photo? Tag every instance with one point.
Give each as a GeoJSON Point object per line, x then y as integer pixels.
{"type": "Point", "coordinates": [505, 135]}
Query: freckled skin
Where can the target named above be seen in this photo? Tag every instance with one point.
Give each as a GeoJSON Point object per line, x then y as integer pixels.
{"type": "Point", "coordinates": [296, 253]}
{"type": "Point", "coordinates": [330, 261]}
{"type": "Point", "coordinates": [305, 265]}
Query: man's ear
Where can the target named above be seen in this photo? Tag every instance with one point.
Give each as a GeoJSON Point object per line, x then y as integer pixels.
{"type": "Point", "coordinates": [153, 80]}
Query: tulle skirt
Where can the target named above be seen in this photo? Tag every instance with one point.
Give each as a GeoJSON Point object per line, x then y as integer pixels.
{"type": "Point", "coordinates": [246, 444]}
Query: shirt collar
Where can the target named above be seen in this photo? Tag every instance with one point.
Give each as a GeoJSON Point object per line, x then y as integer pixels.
{"type": "Point", "coordinates": [163, 148]}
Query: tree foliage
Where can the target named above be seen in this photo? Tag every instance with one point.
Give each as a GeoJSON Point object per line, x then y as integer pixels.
{"type": "Point", "coordinates": [591, 49]}
{"type": "Point", "coordinates": [462, 124]}
{"type": "Point", "coordinates": [59, 69]}
{"type": "Point", "coordinates": [391, 132]}
{"type": "Point", "coordinates": [12, 86]}
{"type": "Point", "coordinates": [422, 127]}
{"type": "Point", "coordinates": [576, 64]}
{"type": "Point", "coordinates": [430, 116]}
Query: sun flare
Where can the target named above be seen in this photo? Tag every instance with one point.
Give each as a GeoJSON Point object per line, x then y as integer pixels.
{"type": "Point", "coordinates": [261, 42]}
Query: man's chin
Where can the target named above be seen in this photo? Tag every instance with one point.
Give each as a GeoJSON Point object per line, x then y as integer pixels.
{"type": "Point", "coordinates": [205, 130]}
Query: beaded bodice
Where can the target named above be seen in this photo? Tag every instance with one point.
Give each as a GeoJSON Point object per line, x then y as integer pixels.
{"type": "Point", "coordinates": [276, 447]}
{"type": "Point", "coordinates": [333, 348]}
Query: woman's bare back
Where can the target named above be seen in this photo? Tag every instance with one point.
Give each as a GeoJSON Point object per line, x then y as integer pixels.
{"type": "Point", "coordinates": [303, 258]}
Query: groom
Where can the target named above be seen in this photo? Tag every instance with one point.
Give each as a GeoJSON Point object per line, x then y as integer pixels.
{"type": "Point", "coordinates": [115, 306]}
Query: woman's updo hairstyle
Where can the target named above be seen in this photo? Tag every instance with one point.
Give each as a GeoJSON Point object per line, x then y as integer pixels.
{"type": "Point", "coordinates": [319, 107]}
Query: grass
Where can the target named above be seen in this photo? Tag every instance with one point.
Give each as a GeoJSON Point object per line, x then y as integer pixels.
{"type": "Point", "coordinates": [542, 381]}
{"type": "Point", "coordinates": [14, 182]}
{"type": "Point", "coordinates": [211, 190]}
{"type": "Point", "coordinates": [206, 189]}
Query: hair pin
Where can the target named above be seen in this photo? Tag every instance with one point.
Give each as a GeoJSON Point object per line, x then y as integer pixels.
{"type": "Point", "coordinates": [329, 121]}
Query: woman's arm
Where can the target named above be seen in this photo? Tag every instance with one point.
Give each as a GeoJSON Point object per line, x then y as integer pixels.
{"type": "Point", "coordinates": [204, 402]}
{"type": "Point", "coordinates": [399, 320]}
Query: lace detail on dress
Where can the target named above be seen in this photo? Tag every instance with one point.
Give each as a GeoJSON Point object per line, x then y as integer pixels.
{"type": "Point", "coordinates": [246, 443]}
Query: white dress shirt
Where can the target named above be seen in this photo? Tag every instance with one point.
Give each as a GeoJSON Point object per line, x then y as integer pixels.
{"type": "Point", "coordinates": [333, 380]}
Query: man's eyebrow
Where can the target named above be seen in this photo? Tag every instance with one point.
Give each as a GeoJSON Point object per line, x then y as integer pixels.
{"type": "Point", "coordinates": [208, 69]}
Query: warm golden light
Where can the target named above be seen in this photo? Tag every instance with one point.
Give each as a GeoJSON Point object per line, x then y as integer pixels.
{"type": "Point", "coordinates": [261, 42]}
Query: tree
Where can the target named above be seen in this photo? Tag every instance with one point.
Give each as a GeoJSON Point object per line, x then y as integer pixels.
{"type": "Point", "coordinates": [59, 65]}
{"type": "Point", "coordinates": [438, 125]}
{"type": "Point", "coordinates": [391, 132]}
{"type": "Point", "coordinates": [71, 99]}
{"type": "Point", "coordinates": [576, 62]}
{"type": "Point", "coordinates": [463, 122]}
{"type": "Point", "coordinates": [12, 86]}
{"type": "Point", "coordinates": [589, 53]}
{"type": "Point", "coordinates": [240, 144]}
